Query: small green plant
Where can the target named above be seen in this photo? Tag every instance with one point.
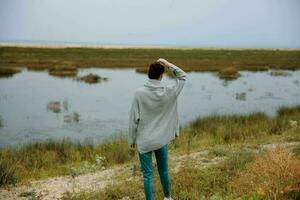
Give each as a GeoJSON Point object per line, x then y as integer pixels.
{"type": "Point", "coordinates": [293, 123]}
{"type": "Point", "coordinates": [97, 164]}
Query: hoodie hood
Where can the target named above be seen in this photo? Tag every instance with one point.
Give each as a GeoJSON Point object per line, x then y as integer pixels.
{"type": "Point", "coordinates": [153, 83]}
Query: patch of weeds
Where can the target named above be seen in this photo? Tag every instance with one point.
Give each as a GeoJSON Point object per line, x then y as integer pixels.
{"type": "Point", "coordinates": [219, 151]}
{"type": "Point", "coordinates": [74, 117]}
{"type": "Point", "coordinates": [31, 194]}
{"type": "Point", "coordinates": [192, 182]}
{"type": "Point", "coordinates": [98, 164]}
{"type": "Point", "coordinates": [238, 160]}
{"type": "Point", "coordinates": [131, 189]}
{"type": "Point", "coordinates": [296, 150]}
{"type": "Point", "coordinates": [241, 96]}
{"type": "Point", "coordinates": [7, 172]}
{"type": "Point", "coordinates": [54, 106]}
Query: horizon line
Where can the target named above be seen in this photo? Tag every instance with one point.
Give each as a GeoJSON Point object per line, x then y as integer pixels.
{"type": "Point", "coordinates": [59, 45]}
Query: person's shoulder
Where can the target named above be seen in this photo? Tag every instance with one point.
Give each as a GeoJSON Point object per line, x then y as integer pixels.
{"type": "Point", "coordinates": [138, 92]}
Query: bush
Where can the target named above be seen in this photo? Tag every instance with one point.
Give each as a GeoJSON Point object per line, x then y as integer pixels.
{"type": "Point", "coordinates": [274, 175]}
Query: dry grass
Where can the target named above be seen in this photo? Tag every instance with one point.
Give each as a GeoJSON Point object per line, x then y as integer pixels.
{"type": "Point", "coordinates": [274, 175]}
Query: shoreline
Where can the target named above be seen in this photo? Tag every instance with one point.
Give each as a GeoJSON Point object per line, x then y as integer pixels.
{"type": "Point", "coordinates": [116, 46]}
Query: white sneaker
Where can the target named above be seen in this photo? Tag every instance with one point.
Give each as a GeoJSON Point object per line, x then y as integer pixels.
{"type": "Point", "coordinates": [170, 198]}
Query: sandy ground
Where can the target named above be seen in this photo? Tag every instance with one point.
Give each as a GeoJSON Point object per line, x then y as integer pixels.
{"type": "Point", "coordinates": [56, 188]}
{"type": "Point", "coordinates": [116, 46]}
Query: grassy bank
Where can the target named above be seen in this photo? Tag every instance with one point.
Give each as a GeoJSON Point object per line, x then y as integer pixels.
{"type": "Point", "coordinates": [244, 175]}
{"type": "Point", "coordinates": [55, 158]}
{"type": "Point", "coordinates": [248, 172]}
{"type": "Point", "coordinates": [188, 59]}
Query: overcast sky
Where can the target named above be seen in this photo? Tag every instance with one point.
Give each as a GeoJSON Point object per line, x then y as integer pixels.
{"type": "Point", "coordinates": [195, 23]}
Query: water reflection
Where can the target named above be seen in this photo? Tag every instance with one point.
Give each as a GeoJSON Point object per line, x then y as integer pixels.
{"type": "Point", "coordinates": [100, 110]}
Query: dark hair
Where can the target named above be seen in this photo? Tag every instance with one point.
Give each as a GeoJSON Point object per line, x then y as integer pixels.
{"type": "Point", "coordinates": [155, 70]}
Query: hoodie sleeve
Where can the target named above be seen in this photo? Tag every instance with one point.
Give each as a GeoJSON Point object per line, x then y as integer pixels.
{"type": "Point", "coordinates": [180, 77]}
{"type": "Point", "coordinates": [134, 117]}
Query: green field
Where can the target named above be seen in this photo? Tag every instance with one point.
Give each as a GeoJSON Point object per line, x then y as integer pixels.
{"type": "Point", "coordinates": [188, 59]}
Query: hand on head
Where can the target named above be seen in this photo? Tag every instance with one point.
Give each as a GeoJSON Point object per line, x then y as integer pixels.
{"type": "Point", "coordinates": [164, 62]}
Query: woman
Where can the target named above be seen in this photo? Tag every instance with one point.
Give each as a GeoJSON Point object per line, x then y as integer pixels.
{"type": "Point", "coordinates": [153, 123]}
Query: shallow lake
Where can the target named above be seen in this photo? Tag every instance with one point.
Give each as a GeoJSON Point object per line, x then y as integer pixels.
{"type": "Point", "coordinates": [102, 109]}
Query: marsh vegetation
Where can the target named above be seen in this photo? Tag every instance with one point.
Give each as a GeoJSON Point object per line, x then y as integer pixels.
{"type": "Point", "coordinates": [8, 71]}
{"type": "Point", "coordinates": [189, 59]}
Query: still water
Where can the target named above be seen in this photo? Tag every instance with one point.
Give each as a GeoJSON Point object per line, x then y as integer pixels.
{"type": "Point", "coordinates": [102, 109]}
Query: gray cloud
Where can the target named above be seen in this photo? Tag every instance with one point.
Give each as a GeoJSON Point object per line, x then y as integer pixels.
{"type": "Point", "coordinates": [213, 23]}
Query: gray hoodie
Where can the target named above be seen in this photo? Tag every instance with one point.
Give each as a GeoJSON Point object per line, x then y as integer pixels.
{"type": "Point", "coordinates": [153, 116]}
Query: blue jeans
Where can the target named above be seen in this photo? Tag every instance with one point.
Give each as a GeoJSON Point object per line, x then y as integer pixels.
{"type": "Point", "coordinates": [162, 166]}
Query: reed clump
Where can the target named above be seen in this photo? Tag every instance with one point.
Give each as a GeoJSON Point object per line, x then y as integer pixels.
{"type": "Point", "coordinates": [63, 71]}
{"type": "Point", "coordinates": [229, 73]}
{"type": "Point", "coordinates": [92, 78]}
